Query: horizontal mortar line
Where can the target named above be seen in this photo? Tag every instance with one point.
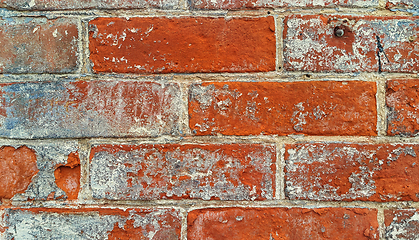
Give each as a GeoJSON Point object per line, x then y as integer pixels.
{"type": "Point", "coordinates": [279, 12]}
{"type": "Point", "coordinates": [181, 77]}
{"type": "Point", "coordinates": [197, 204]}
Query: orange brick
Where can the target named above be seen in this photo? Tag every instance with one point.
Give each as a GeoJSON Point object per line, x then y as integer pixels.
{"type": "Point", "coordinates": [173, 171]}
{"type": "Point", "coordinates": [349, 172]}
{"type": "Point", "coordinates": [402, 100]}
{"type": "Point", "coordinates": [182, 44]}
{"type": "Point", "coordinates": [369, 43]}
{"type": "Point", "coordinates": [283, 223]}
{"type": "Point", "coordinates": [282, 108]}
{"type": "Point", "coordinates": [401, 224]}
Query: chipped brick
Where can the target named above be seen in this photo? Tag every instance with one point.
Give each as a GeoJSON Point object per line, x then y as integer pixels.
{"type": "Point", "coordinates": [87, 4]}
{"type": "Point", "coordinates": [282, 223]}
{"type": "Point", "coordinates": [401, 224]}
{"type": "Point", "coordinates": [282, 108]}
{"type": "Point", "coordinates": [209, 172]}
{"type": "Point", "coordinates": [348, 172]}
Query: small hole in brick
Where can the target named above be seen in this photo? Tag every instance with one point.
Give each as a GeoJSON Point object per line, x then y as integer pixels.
{"type": "Point", "coordinates": [308, 76]}
{"type": "Point", "coordinates": [269, 12]}
{"type": "Point", "coordinates": [339, 32]}
{"type": "Point", "coordinates": [279, 68]}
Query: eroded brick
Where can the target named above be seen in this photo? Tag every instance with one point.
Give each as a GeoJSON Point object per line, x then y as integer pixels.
{"type": "Point", "coordinates": [348, 172]}
{"type": "Point", "coordinates": [27, 172]}
{"type": "Point", "coordinates": [90, 223]}
{"type": "Point", "coordinates": [252, 4]}
{"type": "Point", "coordinates": [402, 99]}
{"type": "Point", "coordinates": [411, 6]}
{"type": "Point", "coordinates": [38, 45]}
{"type": "Point", "coordinates": [282, 108]}
{"type": "Point", "coordinates": [73, 109]}
{"type": "Point", "coordinates": [209, 172]}
{"type": "Point", "coordinates": [283, 223]}
{"type": "Point", "coordinates": [87, 4]}
{"type": "Point", "coordinates": [371, 44]}
{"type": "Point", "coordinates": [401, 224]}
{"type": "Point", "coordinates": [182, 44]}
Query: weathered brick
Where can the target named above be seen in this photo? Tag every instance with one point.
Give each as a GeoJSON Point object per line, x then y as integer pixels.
{"type": "Point", "coordinates": [283, 223]}
{"type": "Point", "coordinates": [182, 44]}
{"type": "Point", "coordinates": [401, 224]}
{"type": "Point", "coordinates": [348, 172]}
{"type": "Point", "coordinates": [69, 109]}
{"type": "Point", "coordinates": [402, 100]}
{"type": "Point", "coordinates": [209, 172]}
{"type": "Point", "coordinates": [312, 108]}
{"type": "Point", "coordinates": [87, 4]}
{"type": "Point", "coordinates": [28, 171]}
{"type": "Point", "coordinates": [252, 4]}
{"type": "Point", "coordinates": [369, 43]}
{"type": "Point", "coordinates": [90, 223]}
{"type": "Point", "coordinates": [403, 5]}
{"type": "Point", "coordinates": [38, 45]}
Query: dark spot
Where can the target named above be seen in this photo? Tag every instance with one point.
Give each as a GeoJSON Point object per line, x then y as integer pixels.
{"type": "Point", "coordinates": [307, 76]}
{"type": "Point", "coordinates": [279, 68]}
{"type": "Point", "coordinates": [339, 31]}
{"type": "Point", "coordinates": [269, 12]}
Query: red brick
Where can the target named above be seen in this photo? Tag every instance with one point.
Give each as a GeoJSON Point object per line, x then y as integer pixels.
{"type": "Point", "coordinates": [87, 4]}
{"type": "Point", "coordinates": [27, 171]}
{"type": "Point", "coordinates": [91, 223]}
{"type": "Point", "coordinates": [282, 108]}
{"type": "Point", "coordinates": [348, 172]}
{"type": "Point", "coordinates": [310, 43]}
{"type": "Point", "coordinates": [182, 45]}
{"type": "Point", "coordinates": [283, 223]}
{"type": "Point", "coordinates": [252, 4]}
{"type": "Point", "coordinates": [209, 172]}
{"type": "Point", "coordinates": [38, 45]}
{"type": "Point", "coordinates": [402, 99]}
{"type": "Point", "coordinates": [401, 224]}
{"type": "Point", "coordinates": [74, 109]}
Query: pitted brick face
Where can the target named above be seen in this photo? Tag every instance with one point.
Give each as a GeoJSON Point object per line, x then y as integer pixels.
{"type": "Point", "coordinates": [402, 100]}
{"type": "Point", "coordinates": [38, 45]}
{"type": "Point", "coordinates": [349, 172]}
{"type": "Point", "coordinates": [91, 223]}
{"type": "Point", "coordinates": [401, 224]}
{"type": "Point", "coordinates": [283, 223]}
{"type": "Point", "coordinates": [182, 44]}
{"type": "Point", "coordinates": [370, 44]}
{"type": "Point", "coordinates": [282, 108]}
{"type": "Point", "coordinates": [208, 172]}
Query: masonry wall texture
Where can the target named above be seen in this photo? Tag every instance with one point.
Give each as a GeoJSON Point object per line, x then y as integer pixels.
{"type": "Point", "coordinates": [238, 119]}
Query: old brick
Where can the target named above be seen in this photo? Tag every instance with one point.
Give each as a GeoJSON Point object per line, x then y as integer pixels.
{"type": "Point", "coordinates": [91, 223]}
{"type": "Point", "coordinates": [403, 5]}
{"type": "Point", "coordinates": [348, 172]}
{"type": "Point", "coordinates": [27, 172]}
{"type": "Point", "coordinates": [371, 44]}
{"type": "Point", "coordinates": [312, 108]}
{"type": "Point", "coordinates": [401, 224]}
{"type": "Point", "coordinates": [87, 4]}
{"type": "Point", "coordinates": [252, 4]}
{"type": "Point", "coordinates": [283, 223]}
{"type": "Point", "coordinates": [38, 45]}
{"type": "Point", "coordinates": [182, 44]}
{"type": "Point", "coordinates": [402, 99]}
{"type": "Point", "coordinates": [145, 172]}
{"type": "Point", "coordinates": [68, 109]}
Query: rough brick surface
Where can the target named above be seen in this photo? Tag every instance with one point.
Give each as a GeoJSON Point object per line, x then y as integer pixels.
{"type": "Point", "coordinates": [282, 223]}
{"type": "Point", "coordinates": [348, 172]}
{"type": "Point", "coordinates": [90, 223]}
{"type": "Point", "coordinates": [68, 109]}
{"type": "Point", "coordinates": [87, 4]}
{"type": "Point", "coordinates": [404, 5]}
{"type": "Point", "coordinates": [251, 4]}
{"type": "Point", "coordinates": [312, 108]}
{"type": "Point", "coordinates": [402, 99]}
{"type": "Point", "coordinates": [38, 45]}
{"type": "Point", "coordinates": [27, 172]}
{"type": "Point", "coordinates": [401, 224]}
{"type": "Point", "coordinates": [144, 172]}
{"type": "Point", "coordinates": [371, 44]}
{"type": "Point", "coordinates": [183, 44]}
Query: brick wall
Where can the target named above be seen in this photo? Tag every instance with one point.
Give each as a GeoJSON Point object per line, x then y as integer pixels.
{"type": "Point", "coordinates": [209, 119]}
